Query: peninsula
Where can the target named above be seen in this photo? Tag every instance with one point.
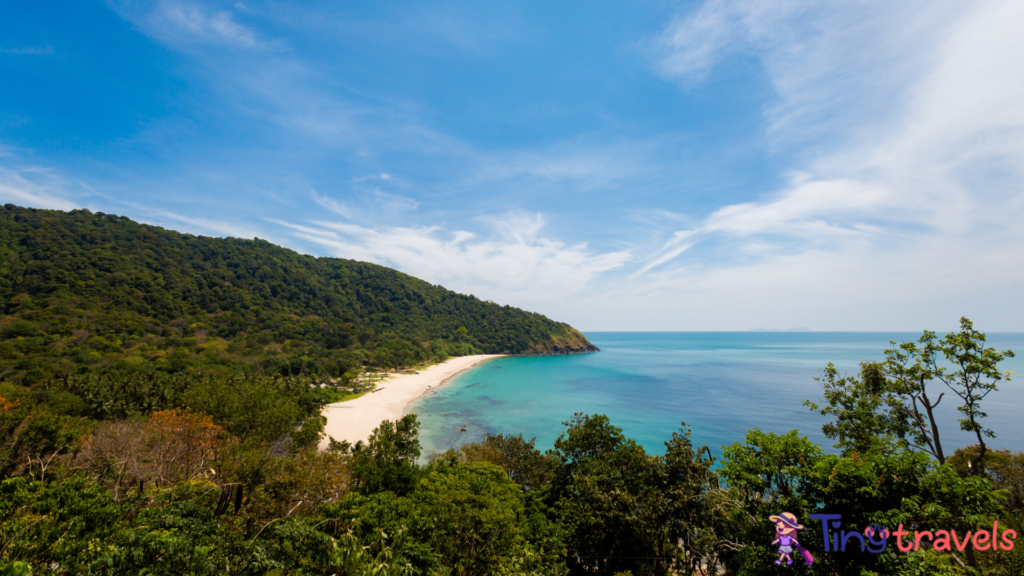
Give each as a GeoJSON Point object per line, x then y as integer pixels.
{"type": "Point", "coordinates": [99, 293]}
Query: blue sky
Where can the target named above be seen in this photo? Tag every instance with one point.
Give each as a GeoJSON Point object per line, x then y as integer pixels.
{"type": "Point", "coordinates": [621, 166]}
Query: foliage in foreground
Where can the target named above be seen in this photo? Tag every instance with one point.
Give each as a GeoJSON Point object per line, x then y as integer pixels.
{"type": "Point", "coordinates": [225, 482]}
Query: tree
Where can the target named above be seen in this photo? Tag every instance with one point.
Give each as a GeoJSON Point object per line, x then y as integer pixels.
{"type": "Point", "coordinates": [520, 459]}
{"type": "Point", "coordinates": [697, 506]}
{"type": "Point", "coordinates": [974, 375]}
{"type": "Point", "coordinates": [475, 517]}
{"type": "Point", "coordinates": [865, 409]}
{"type": "Point", "coordinates": [1006, 471]}
{"type": "Point", "coordinates": [889, 485]}
{"type": "Point", "coordinates": [895, 398]}
{"type": "Point", "coordinates": [612, 500]}
{"type": "Point", "coordinates": [169, 447]}
{"type": "Point", "coordinates": [388, 461]}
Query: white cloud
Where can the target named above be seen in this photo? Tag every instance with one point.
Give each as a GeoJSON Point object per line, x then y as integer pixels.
{"type": "Point", "coordinates": [904, 119]}
{"type": "Point", "coordinates": [333, 205]}
{"type": "Point", "coordinates": [394, 202]}
{"type": "Point", "coordinates": [583, 163]}
{"type": "Point", "coordinates": [180, 18]}
{"type": "Point", "coordinates": [15, 188]}
{"type": "Point", "coordinates": [381, 176]}
{"type": "Point", "coordinates": [695, 42]}
{"type": "Point", "coordinates": [476, 29]}
{"type": "Point", "coordinates": [913, 283]}
{"type": "Point", "coordinates": [518, 265]}
{"type": "Point", "coordinates": [29, 50]}
{"type": "Point", "coordinates": [910, 123]}
{"type": "Point", "coordinates": [39, 187]}
{"type": "Point", "coordinates": [679, 242]}
{"type": "Point", "coordinates": [184, 23]}
{"type": "Point", "coordinates": [373, 204]}
{"type": "Point", "coordinates": [833, 65]}
{"type": "Point", "coordinates": [203, 226]}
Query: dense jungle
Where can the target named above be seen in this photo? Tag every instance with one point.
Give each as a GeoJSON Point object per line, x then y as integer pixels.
{"type": "Point", "coordinates": [97, 293]}
{"type": "Point", "coordinates": [157, 417]}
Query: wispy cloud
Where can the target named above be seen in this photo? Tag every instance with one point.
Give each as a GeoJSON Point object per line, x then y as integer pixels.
{"type": "Point", "coordinates": [298, 100]}
{"type": "Point", "coordinates": [581, 163]}
{"type": "Point", "coordinates": [333, 205]}
{"type": "Point", "coordinates": [42, 187]}
{"type": "Point", "coordinates": [518, 264]}
{"type": "Point", "coordinates": [196, 225]}
{"type": "Point", "coordinates": [933, 182]}
{"type": "Point", "coordinates": [832, 65]}
{"type": "Point", "coordinates": [33, 187]}
{"type": "Point", "coordinates": [472, 29]}
{"type": "Point", "coordinates": [815, 212]}
{"type": "Point", "coordinates": [890, 147]}
{"type": "Point", "coordinates": [373, 204]}
{"type": "Point", "coordinates": [680, 242]}
{"type": "Point", "coordinates": [183, 22]}
{"type": "Point", "coordinates": [29, 50]}
{"type": "Point", "coordinates": [394, 202]}
{"type": "Point", "coordinates": [381, 176]}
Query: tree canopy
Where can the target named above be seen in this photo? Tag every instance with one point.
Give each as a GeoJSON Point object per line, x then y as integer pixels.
{"type": "Point", "coordinates": [99, 291]}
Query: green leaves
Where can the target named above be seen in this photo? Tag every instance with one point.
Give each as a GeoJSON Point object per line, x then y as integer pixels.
{"type": "Point", "coordinates": [970, 370]}
{"type": "Point", "coordinates": [623, 510]}
{"type": "Point", "coordinates": [520, 459]}
{"type": "Point", "coordinates": [864, 409]}
{"type": "Point", "coordinates": [349, 558]}
{"type": "Point", "coordinates": [975, 373]}
{"type": "Point", "coordinates": [463, 518]}
{"type": "Point", "coordinates": [896, 398]}
{"type": "Point", "coordinates": [388, 461]}
{"type": "Point", "coordinates": [473, 513]}
{"type": "Point", "coordinates": [254, 407]}
{"type": "Point", "coordinates": [880, 417]}
{"type": "Point", "coordinates": [16, 569]}
{"type": "Point", "coordinates": [889, 485]}
{"type": "Point", "coordinates": [98, 290]}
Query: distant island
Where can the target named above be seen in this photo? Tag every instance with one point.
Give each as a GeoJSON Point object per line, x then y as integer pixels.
{"type": "Point", "coordinates": [98, 292]}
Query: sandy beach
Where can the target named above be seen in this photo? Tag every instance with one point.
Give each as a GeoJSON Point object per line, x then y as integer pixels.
{"type": "Point", "coordinates": [355, 420]}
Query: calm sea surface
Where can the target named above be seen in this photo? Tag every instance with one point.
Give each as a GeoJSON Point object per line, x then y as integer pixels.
{"type": "Point", "coordinates": [720, 383]}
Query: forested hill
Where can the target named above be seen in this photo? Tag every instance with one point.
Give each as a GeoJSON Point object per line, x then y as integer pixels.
{"type": "Point", "coordinates": [92, 289]}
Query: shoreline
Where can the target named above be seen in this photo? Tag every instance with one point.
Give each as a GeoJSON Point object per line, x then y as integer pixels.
{"type": "Point", "coordinates": [356, 419]}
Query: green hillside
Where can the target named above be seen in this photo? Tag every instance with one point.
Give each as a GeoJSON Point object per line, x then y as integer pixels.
{"type": "Point", "coordinates": [97, 292]}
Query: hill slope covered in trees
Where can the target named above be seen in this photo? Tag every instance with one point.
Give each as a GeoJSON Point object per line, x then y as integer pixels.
{"type": "Point", "coordinates": [79, 289]}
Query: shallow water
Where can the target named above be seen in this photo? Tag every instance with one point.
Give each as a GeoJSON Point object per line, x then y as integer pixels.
{"type": "Point", "coordinates": [720, 383]}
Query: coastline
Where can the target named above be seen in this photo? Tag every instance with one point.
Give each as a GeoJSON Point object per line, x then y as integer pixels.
{"type": "Point", "coordinates": [355, 420]}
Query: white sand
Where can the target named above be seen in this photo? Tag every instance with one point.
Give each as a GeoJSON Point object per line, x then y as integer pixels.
{"type": "Point", "coordinates": [355, 420]}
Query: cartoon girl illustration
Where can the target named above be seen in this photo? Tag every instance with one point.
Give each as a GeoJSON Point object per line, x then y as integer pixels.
{"type": "Point", "coordinates": [786, 537]}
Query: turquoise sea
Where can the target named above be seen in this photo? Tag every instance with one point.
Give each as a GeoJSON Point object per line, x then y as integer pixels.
{"type": "Point", "coordinates": [720, 383]}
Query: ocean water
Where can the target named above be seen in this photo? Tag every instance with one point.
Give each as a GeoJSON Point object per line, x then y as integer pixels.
{"type": "Point", "coordinates": [720, 383]}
